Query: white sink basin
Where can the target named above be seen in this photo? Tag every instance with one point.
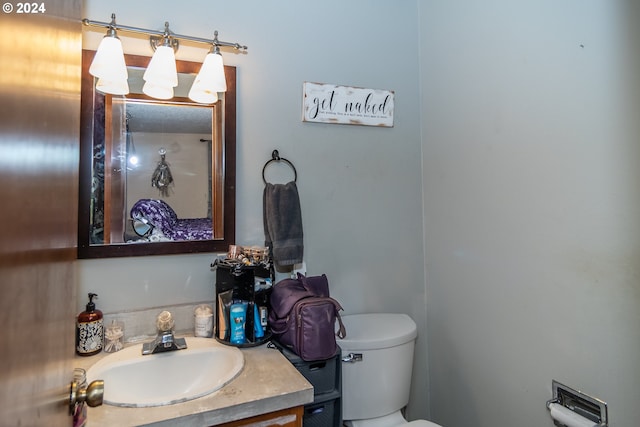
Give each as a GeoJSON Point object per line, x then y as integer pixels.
{"type": "Point", "coordinates": [137, 381]}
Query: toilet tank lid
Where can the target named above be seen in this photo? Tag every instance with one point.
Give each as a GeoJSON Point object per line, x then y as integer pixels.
{"type": "Point", "coordinates": [370, 331]}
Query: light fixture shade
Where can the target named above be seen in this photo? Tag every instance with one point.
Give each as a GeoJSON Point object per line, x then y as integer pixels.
{"type": "Point", "coordinates": [162, 68]}
{"type": "Point", "coordinates": [212, 73]}
{"type": "Point", "coordinates": [201, 93]}
{"type": "Point", "coordinates": [108, 63]}
{"type": "Point", "coordinates": [119, 87]}
{"type": "Point", "coordinates": [157, 91]}
{"type": "Point", "coordinates": [209, 81]}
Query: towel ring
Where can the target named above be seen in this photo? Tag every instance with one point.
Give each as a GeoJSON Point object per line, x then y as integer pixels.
{"type": "Point", "coordinates": [275, 157]}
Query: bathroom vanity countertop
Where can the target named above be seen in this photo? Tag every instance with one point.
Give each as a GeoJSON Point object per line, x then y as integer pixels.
{"type": "Point", "coordinates": [268, 382]}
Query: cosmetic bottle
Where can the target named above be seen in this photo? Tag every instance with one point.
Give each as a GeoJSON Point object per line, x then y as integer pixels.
{"type": "Point", "coordinates": [258, 330]}
{"type": "Point", "coordinates": [238, 317]}
{"type": "Point", "coordinates": [89, 330]}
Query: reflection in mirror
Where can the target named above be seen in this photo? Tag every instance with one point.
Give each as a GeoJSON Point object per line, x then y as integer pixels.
{"type": "Point", "coordinates": [157, 177]}
{"type": "Point", "coordinates": [160, 150]}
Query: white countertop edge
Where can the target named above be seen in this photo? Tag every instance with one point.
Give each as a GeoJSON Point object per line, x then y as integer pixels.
{"type": "Point", "coordinates": [267, 383]}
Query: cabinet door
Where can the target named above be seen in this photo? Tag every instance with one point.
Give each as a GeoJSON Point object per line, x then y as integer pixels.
{"type": "Point", "coordinates": [291, 417]}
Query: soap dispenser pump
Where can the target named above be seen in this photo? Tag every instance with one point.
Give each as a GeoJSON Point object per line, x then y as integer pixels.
{"type": "Point", "coordinates": [89, 330]}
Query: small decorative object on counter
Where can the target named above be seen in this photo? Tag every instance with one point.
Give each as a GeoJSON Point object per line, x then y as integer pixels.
{"type": "Point", "coordinates": [234, 251]}
{"type": "Point", "coordinates": [89, 330]}
{"type": "Point", "coordinates": [259, 254]}
{"type": "Point", "coordinates": [203, 321]}
{"type": "Point", "coordinates": [114, 337]}
{"type": "Point", "coordinates": [247, 256]}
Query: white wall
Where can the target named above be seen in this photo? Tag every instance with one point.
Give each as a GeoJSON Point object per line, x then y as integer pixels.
{"type": "Point", "coordinates": [360, 187]}
{"type": "Point", "coordinates": [530, 142]}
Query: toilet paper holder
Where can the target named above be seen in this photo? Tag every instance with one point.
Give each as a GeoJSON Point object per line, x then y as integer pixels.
{"type": "Point", "coordinates": [581, 403]}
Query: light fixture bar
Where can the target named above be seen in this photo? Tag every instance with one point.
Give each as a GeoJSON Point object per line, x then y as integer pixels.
{"type": "Point", "coordinates": [119, 27]}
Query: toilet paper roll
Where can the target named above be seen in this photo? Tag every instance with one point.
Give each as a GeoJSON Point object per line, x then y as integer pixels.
{"type": "Point", "coordinates": [569, 418]}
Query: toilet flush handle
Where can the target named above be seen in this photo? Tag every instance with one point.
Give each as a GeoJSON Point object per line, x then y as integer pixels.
{"type": "Point", "coordinates": [353, 357]}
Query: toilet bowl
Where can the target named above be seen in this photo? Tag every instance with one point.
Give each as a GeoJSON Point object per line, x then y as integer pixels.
{"type": "Point", "coordinates": [377, 356]}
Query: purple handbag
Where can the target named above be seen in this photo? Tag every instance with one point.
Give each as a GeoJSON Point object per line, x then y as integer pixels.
{"type": "Point", "coordinates": [303, 317]}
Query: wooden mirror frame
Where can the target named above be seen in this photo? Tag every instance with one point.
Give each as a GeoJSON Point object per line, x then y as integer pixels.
{"type": "Point", "coordinates": [85, 249]}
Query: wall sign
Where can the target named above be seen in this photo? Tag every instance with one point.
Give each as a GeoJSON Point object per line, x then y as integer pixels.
{"type": "Point", "coordinates": [326, 103]}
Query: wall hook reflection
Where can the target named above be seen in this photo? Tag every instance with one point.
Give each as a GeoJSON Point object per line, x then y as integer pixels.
{"type": "Point", "coordinates": [162, 178]}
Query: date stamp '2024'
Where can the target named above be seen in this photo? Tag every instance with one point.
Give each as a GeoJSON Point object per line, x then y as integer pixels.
{"type": "Point", "coordinates": [24, 8]}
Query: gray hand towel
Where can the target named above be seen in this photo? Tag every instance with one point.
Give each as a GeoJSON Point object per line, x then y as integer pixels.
{"type": "Point", "coordinates": [283, 223]}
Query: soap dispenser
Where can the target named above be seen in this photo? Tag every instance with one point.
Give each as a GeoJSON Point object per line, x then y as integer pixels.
{"type": "Point", "coordinates": [89, 330]}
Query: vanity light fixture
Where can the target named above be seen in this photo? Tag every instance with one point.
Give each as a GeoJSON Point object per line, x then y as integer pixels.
{"type": "Point", "coordinates": [210, 80]}
{"type": "Point", "coordinates": [160, 76]}
{"type": "Point", "coordinates": [108, 65]}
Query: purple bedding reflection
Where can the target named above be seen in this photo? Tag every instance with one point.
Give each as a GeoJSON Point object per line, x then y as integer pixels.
{"type": "Point", "coordinates": [162, 217]}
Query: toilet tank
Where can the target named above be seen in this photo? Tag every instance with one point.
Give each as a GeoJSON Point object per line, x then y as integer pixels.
{"type": "Point", "coordinates": [380, 383]}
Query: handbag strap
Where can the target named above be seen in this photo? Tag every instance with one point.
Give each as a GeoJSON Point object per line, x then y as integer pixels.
{"type": "Point", "coordinates": [342, 332]}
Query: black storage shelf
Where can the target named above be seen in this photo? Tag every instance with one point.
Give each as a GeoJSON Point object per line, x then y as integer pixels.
{"type": "Point", "coordinates": [326, 378]}
{"type": "Point", "coordinates": [326, 410]}
{"type": "Point", "coordinates": [240, 280]}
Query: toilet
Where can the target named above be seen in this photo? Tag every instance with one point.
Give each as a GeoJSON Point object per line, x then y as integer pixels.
{"type": "Point", "coordinates": [377, 360]}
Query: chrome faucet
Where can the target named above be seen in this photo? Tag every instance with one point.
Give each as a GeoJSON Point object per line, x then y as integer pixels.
{"type": "Point", "coordinates": [165, 340]}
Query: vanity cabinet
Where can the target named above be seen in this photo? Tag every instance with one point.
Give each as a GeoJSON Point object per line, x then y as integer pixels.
{"type": "Point", "coordinates": [291, 417]}
{"type": "Point", "coordinates": [250, 284]}
{"type": "Point", "coordinates": [268, 392]}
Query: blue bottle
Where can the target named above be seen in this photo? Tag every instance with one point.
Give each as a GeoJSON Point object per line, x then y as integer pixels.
{"type": "Point", "coordinates": [238, 319]}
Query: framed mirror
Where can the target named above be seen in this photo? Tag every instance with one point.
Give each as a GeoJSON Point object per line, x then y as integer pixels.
{"type": "Point", "coordinates": [156, 177]}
